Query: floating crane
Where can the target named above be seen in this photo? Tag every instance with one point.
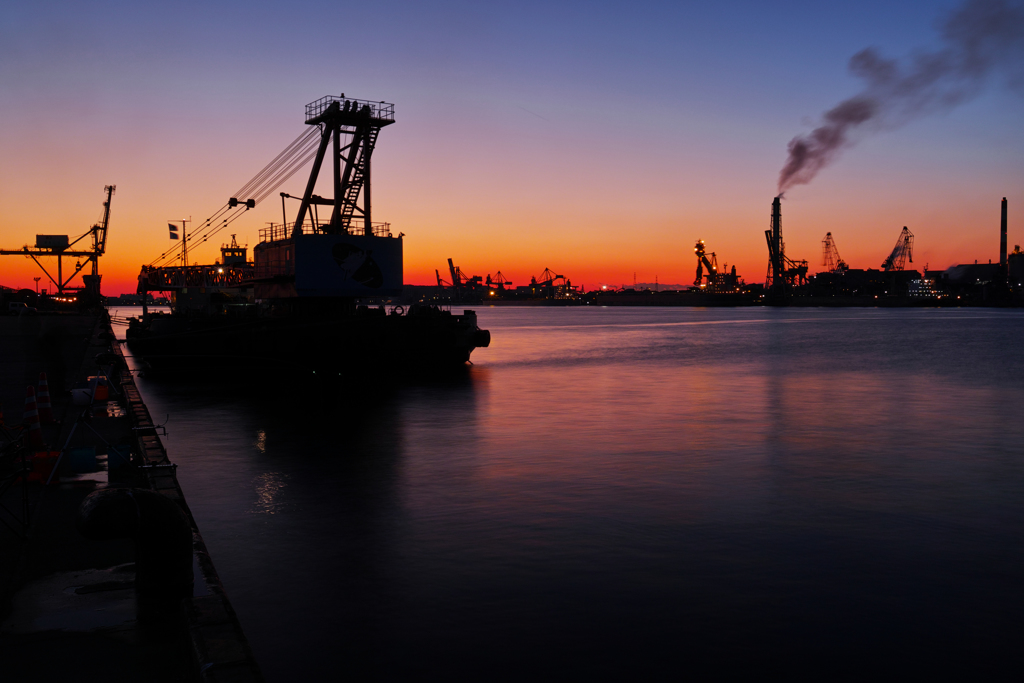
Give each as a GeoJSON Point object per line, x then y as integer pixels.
{"type": "Point", "coordinates": [718, 283]}
{"type": "Point", "coordinates": [832, 262]}
{"type": "Point", "coordinates": [60, 246]}
{"type": "Point", "coordinates": [704, 262]}
{"type": "Point", "coordinates": [902, 253]}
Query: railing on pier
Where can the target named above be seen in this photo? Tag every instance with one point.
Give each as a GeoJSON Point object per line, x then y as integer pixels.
{"type": "Point", "coordinates": [275, 232]}
{"type": "Point", "coordinates": [177, 277]}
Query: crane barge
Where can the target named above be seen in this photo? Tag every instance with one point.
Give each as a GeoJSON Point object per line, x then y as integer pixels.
{"type": "Point", "coordinates": [298, 303]}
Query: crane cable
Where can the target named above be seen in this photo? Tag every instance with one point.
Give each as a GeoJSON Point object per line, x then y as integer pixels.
{"type": "Point", "coordinates": [299, 152]}
{"type": "Point", "coordinates": [300, 141]}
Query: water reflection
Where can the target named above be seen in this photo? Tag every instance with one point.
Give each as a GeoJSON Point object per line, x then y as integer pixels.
{"type": "Point", "coordinates": [621, 492]}
{"type": "Point", "coordinates": [268, 487]}
{"type": "Point", "coordinates": [261, 441]}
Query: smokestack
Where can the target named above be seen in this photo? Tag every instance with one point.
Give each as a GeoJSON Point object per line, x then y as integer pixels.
{"type": "Point", "coordinates": [1002, 238]}
{"type": "Point", "coordinates": [776, 221]}
{"type": "Point", "coordinates": [775, 245]}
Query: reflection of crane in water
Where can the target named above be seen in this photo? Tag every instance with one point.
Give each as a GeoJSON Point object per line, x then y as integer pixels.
{"type": "Point", "coordinates": [833, 263]}
{"type": "Point", "coordinates": [704, 262]}
{"type": "Point", "coordinates": [901, 253]}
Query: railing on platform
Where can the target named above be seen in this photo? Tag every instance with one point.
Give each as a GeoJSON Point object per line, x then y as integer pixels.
{"type": "Point", "coordinates": [378, 110]}
{"type": "Point", "coordinates": [177, 277]}
{"type": "Point", "coordinates": [275, 232]}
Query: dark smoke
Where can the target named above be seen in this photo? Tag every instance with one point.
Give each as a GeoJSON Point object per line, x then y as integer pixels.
{"type": "Point", "coordinates": [980, 38]}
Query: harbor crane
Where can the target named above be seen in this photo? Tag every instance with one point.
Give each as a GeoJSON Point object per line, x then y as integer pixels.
{"type": "Point", "coordinates": [499, 281]}
{"type": "Point", "coordinates": [902, 253]}
{"type": "Point", "coordinates": [548, 286]}
{"type": "Point", "coordinates": [461, 282]}
{"type": "Point", "coordinates": [547, 280]}
{"type": "Point", "coordinates": [60, 246]}
{"type": "Point", "coordinates": [704, 262]}
{"type": "Point", "coordinates": [717, 283]}
{"type": "Point", "coordinates": [832, 262]}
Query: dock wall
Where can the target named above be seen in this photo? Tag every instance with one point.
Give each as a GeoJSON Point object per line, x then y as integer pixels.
{"type": "Point", "coordinates": [219, 646]}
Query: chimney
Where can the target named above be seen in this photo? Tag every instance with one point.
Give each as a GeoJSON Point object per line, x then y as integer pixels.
{"type": "Point", "coordinates": [775, 245]}
{"type": "Point", "coordinates": [1002, 238]}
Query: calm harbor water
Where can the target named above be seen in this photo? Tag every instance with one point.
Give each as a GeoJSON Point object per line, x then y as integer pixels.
{"type": "Point", "coordinates": [614, 492]}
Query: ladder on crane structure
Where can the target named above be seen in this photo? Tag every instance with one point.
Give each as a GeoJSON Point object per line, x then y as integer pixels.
{"type": "Point", "coordinates": [360, 122]}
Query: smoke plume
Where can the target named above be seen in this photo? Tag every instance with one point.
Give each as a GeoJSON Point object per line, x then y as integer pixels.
{"type": "Point", "coordinates": [980, 39]}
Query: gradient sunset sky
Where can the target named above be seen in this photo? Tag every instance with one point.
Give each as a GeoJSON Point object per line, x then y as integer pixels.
{"type": "Point", "coordinates": [597, 139]}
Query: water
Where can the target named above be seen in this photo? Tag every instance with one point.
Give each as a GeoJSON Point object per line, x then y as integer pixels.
{"type": "Point", "coordinates": [626, 492]}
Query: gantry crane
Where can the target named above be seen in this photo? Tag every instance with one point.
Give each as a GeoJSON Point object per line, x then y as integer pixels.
{"type": "Point", "coordinates": [548, 286]}
{"type": "Point", "coordinates": [499, 281]}
{"type": "Point", "coordinates": [60, 246]}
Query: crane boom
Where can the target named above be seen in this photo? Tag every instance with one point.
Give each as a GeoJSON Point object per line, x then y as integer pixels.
{"type": "Point", "coordinates": [902, 253]}
{"type": "Point", "coordinates": [99, 232]}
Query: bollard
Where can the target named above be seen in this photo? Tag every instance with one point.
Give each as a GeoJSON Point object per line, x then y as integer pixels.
{"type": "Point", "coordinates": [163, 542]}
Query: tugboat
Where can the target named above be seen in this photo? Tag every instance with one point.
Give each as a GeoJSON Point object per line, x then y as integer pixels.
{"type": "Point", "coordinates": [301, 304]}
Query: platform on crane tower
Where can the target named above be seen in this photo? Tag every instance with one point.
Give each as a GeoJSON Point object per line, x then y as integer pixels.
{"type": "Point", "coordinates": [352, 111]}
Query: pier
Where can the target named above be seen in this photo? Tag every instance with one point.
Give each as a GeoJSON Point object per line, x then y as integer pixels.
{"type": "Point", "coordinates": [91, 590]}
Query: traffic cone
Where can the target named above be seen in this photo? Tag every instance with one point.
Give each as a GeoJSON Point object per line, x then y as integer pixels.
{"type": "Point", "coordinates": [45, 411]}
{"type": "Point", "coordinates": [31, 420]}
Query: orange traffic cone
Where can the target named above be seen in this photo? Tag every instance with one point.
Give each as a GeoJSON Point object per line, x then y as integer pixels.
{"type": "Point", "coordinates": [45, 411]}
{"type": "Point", "coordinates": [31, 419]}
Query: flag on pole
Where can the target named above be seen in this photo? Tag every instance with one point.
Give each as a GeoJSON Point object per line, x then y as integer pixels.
{"type": "Point", "coordinates": [174, 230]}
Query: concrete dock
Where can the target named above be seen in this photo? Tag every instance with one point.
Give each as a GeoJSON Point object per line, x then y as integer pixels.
{"type": "Point", "coordinates": [78, 608]}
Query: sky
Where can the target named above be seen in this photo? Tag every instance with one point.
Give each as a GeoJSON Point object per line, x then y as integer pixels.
{"type": "Point", "coordinates": [598, 139]}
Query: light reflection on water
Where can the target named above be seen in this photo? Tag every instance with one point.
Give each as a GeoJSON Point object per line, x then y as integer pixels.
{"type": "Point", "coordinates": [611, 490]}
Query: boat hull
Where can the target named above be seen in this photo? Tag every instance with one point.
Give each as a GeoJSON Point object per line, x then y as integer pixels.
{"type": "Point", "coordinates": [428, 340]}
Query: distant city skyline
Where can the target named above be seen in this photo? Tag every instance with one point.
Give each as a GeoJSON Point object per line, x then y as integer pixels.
{"type": "Point", "coordinates": [595, 139]}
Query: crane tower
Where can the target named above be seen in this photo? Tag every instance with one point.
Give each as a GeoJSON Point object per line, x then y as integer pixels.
{"type": "Point", "coordinates": [832, 261]}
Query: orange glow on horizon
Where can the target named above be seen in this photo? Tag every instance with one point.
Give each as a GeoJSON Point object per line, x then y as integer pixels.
{"type": "Point", "coordinates": [489, 215]}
